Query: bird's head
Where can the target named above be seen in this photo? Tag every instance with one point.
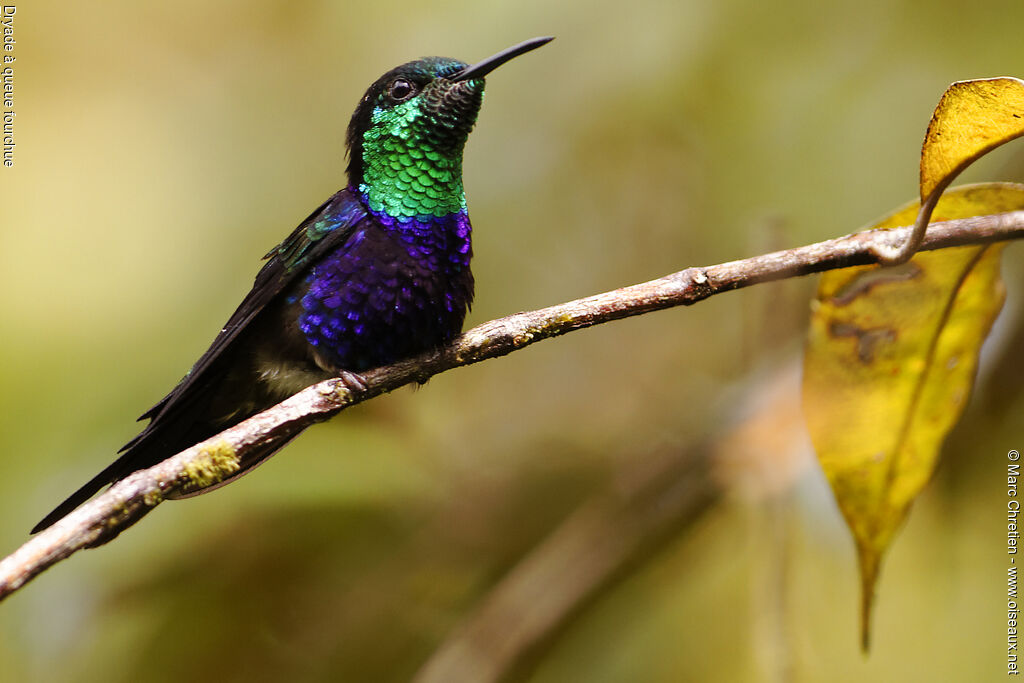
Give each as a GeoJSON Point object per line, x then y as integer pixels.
{"type": "Point", "coordinates": [407, 135]}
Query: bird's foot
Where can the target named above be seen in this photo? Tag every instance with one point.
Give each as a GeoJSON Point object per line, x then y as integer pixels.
{"type": "Point", "coordinates": [354, 382]}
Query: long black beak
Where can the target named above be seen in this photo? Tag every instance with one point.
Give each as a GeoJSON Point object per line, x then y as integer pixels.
{"type": "Point", "coordinates": [481, 69]}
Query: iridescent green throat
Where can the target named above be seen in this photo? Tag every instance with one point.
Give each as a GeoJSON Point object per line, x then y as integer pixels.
{"type": "Point", "coordinates": [411, 165]}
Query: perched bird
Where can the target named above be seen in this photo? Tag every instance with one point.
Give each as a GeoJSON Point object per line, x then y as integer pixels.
{"type": "Point", "coordinates": [379, 272]}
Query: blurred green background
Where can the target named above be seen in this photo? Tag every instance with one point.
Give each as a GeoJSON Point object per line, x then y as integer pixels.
{"type": "Point", "coordinates": [162, 149]}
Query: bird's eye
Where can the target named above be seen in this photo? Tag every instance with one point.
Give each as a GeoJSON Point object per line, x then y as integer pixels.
{"type": "Point", "coordinates": [401, 90]}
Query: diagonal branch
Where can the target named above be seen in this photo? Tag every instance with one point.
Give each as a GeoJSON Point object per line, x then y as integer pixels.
{"type": "Point", "coordinates": [204, 464]}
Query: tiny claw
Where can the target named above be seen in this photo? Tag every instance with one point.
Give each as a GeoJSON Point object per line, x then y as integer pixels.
{"type": "Point", "coordinates": [354, 382]}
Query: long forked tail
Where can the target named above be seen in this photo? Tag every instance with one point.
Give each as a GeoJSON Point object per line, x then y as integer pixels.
{"type": "Point", "coordinates": [128, 463]}
{"type": "Point", "coordinates": [109, 475]}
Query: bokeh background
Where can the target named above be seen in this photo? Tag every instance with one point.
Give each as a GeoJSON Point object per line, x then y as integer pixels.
{"type": "Point", "coordinates": [163, 148]}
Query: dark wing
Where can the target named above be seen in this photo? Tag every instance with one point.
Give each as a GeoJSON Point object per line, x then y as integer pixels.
{"type": "Point", "coordinates": [323, 230]}
{"type": "Point", "coordinates": [327, 228]}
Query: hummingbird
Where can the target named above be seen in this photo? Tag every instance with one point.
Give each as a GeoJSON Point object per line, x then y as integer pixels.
{"type": "Point", "coordinates": [376, 274]}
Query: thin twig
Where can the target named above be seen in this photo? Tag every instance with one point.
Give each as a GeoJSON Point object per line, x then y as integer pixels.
{"type": "Point", "coordinates": [113, 511]}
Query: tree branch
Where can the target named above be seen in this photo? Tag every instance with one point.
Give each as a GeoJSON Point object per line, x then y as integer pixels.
{"type": "Point", "coordinates": [204, 464]}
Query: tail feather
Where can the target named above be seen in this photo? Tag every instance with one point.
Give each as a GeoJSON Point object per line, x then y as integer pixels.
{"type": "Point", "coordinates": [143, 455]}
{"type": "Point", "coordinates": [109, 475]}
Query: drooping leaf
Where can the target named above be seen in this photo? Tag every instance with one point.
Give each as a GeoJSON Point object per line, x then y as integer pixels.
{"type": "Point", "coordinates": [879, 406]}
{"type": "Point", "coordinates": [890, 361]}
{"type": "Point", "coordinates": [971, 119]}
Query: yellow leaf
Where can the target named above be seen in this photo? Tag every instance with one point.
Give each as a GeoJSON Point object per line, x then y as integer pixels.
{"type": "Point", "coordinates": [890, 361]}
{"type": "Point", "coordinates": [972, 118]}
